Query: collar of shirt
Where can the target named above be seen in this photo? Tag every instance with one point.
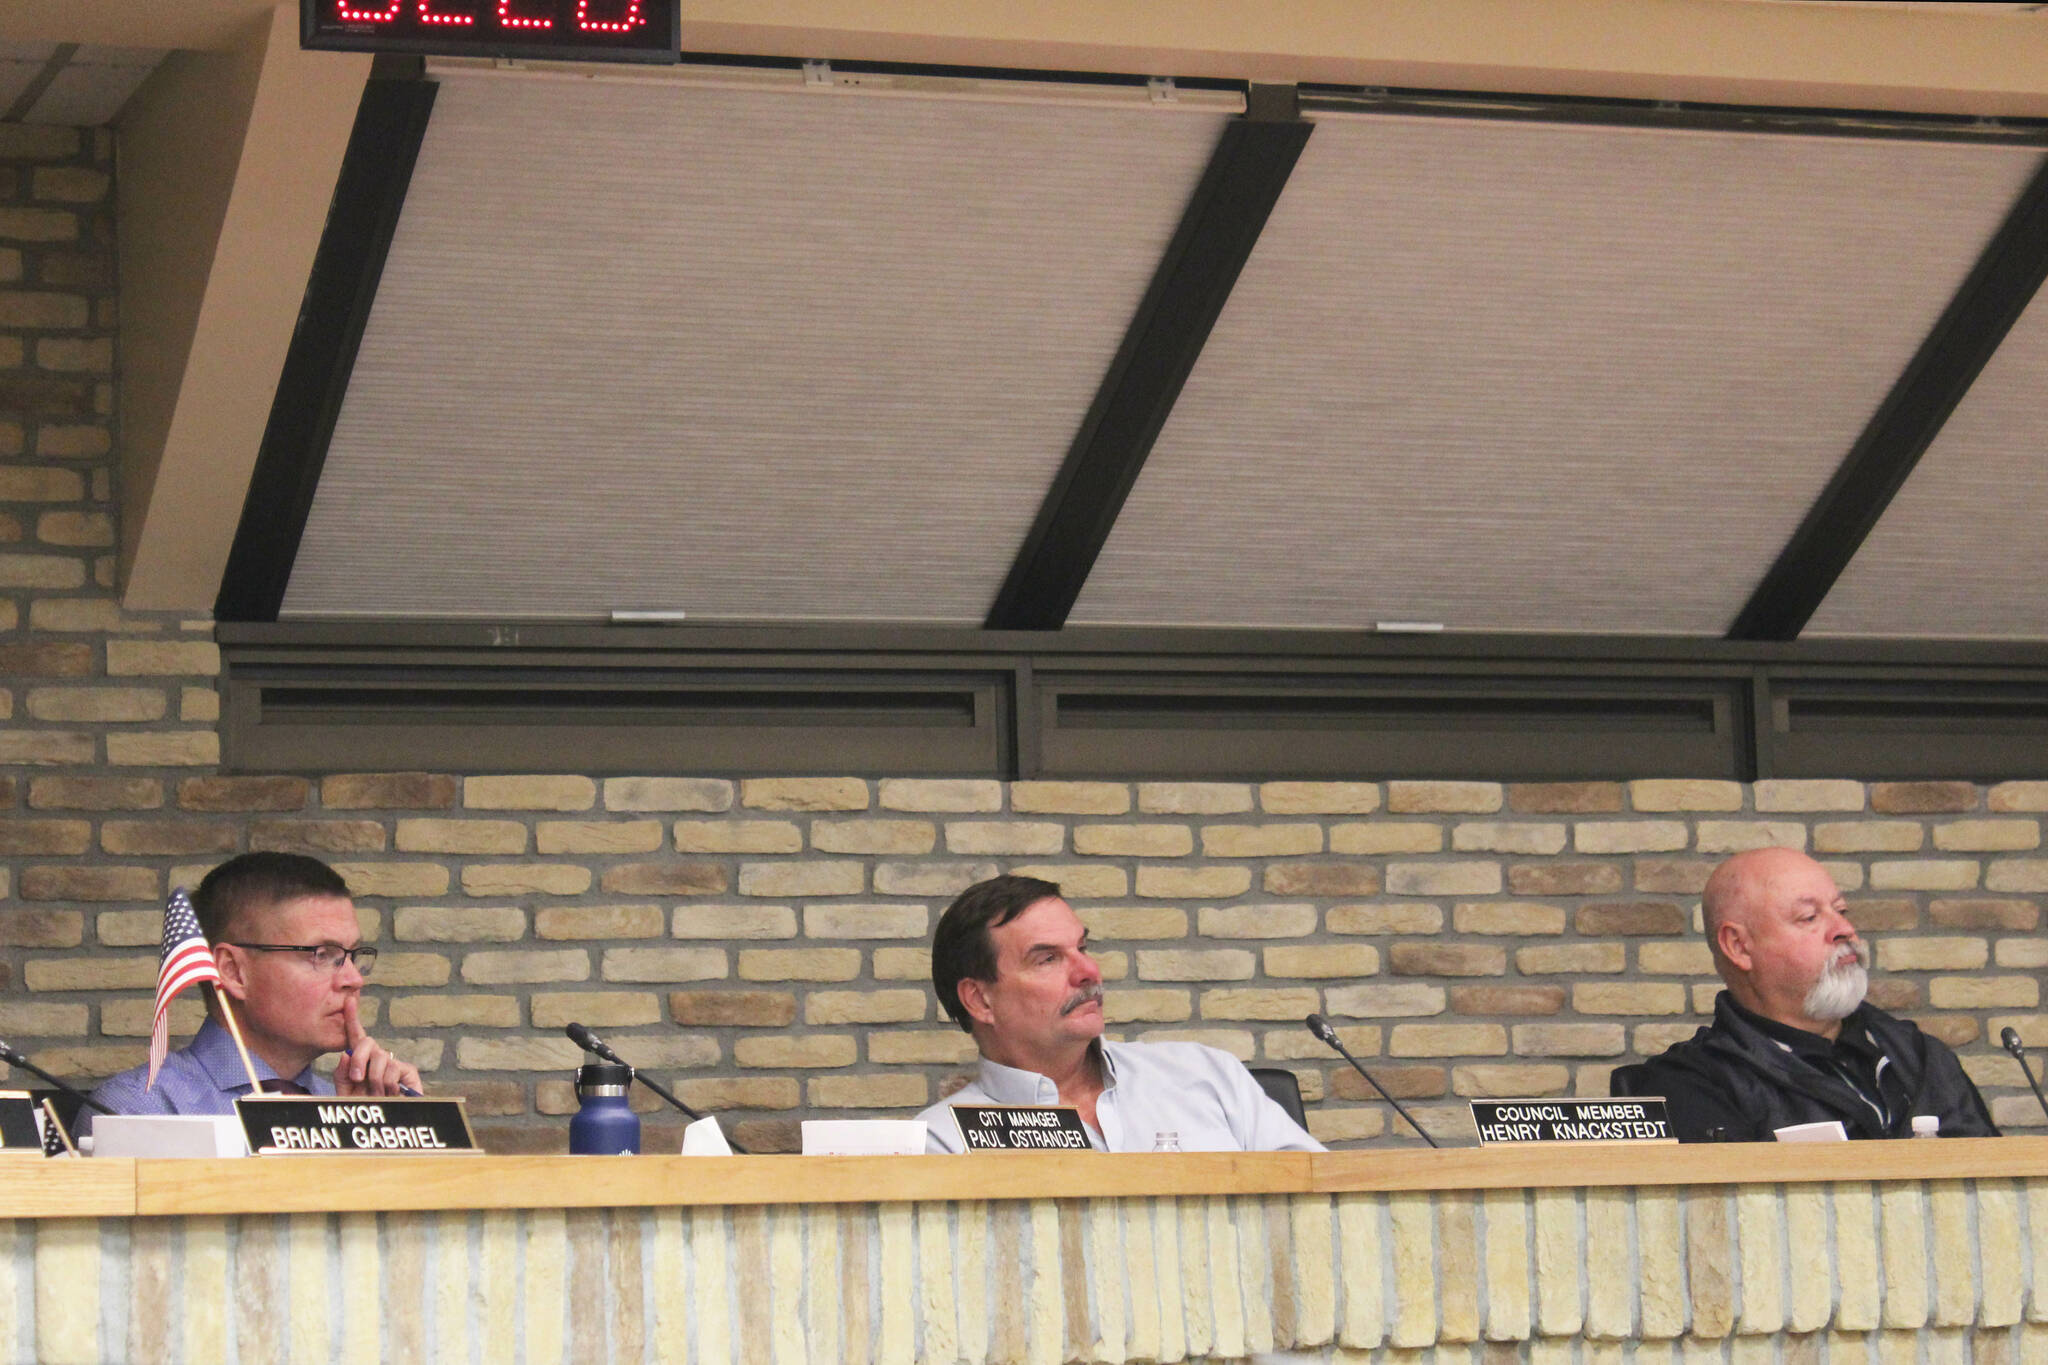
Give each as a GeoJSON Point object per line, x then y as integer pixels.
{"type": "Point", "coordinates": [1853, 1038]}
{"type": "Point", "coordinates": [213, 1047]}
{"type": "Point", "coordinates": [1014, 1085]}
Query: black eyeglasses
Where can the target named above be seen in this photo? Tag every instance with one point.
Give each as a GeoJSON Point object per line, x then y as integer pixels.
{"type": "Point", "coordinates": [327, 956]}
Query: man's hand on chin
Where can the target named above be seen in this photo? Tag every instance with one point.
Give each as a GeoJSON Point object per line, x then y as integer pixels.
{"type": "Point", "coordinates": [367, 1069]}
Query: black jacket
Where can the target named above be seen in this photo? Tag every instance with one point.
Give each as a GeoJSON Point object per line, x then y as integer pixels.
{"type": "Point", "coordinates": [1733, 1082]}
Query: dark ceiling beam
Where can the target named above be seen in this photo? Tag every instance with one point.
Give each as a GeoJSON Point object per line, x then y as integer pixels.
{"type": "Point", "coordinates": [1971, 329]}
{"type": "Point", "coordinates": [391, 123]}
{"type": "Point", "coordinates": [1246, 173]}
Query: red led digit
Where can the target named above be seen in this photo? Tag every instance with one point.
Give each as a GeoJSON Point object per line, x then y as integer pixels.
{"type": "Point", "coordinates": [349, 14]}
{"type": "Point", "coordinates": [626, 23]}
{"type": "Point", "coordinates": [511, 20]}
{"type": "Point", "coordinates": [434, 16]}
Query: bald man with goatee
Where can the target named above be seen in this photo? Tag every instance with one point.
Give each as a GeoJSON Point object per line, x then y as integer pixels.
{"type": "Point", "coordinates": [1793, 1040]}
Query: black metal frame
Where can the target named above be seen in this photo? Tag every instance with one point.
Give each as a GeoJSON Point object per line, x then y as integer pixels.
{"type": "Point", "coordinates": [384, 144]}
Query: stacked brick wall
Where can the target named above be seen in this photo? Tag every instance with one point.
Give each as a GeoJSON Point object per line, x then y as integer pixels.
{"type": "Point", "coordinates": [761, 944]}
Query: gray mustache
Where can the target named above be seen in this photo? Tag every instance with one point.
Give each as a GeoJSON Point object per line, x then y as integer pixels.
{"type": "Point", "coordinates": [1080, 998]}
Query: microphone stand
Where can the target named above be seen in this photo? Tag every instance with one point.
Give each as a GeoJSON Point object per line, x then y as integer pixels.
{"type": "Point", "coordinates": [2011, 1040]}
{"type": "Point", "coordinates": [1321, 1028]}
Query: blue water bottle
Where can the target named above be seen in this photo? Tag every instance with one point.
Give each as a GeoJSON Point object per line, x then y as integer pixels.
{"type": "Point", "coordinates": [605, 1125]}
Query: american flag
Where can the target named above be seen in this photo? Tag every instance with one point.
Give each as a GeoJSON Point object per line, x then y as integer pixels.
{"type": "Point", "coordinates": [186, 961]}
{"type": "Point", "coordinates": [53, 1136]}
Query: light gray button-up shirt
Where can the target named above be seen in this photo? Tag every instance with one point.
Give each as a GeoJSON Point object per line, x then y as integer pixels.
{"type": "Point", "coordinates": [1202, 1095]}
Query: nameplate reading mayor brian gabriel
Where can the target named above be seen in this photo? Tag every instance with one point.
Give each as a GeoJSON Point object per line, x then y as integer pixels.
{"type": "Point", "coordinates": [1021, 1127]}
{"type": "Point", "coordinates": [1577, 1120]}
{"type": "Point", "coordinates": [279, 1124]}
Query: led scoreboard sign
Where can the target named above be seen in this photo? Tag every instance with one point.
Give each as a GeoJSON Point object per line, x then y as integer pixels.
{"type": "Point", "coordinates": [555, 30]}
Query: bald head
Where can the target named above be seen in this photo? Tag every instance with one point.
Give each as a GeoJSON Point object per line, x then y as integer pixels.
{"type": "Point", "coordinates": [1779, 929]}
{"type": "Point", "coordinates": [1744, 884]}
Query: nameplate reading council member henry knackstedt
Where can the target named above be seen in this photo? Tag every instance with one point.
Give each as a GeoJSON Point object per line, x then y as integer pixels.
{"type": "Point", "coordinates": [1573, 1120]}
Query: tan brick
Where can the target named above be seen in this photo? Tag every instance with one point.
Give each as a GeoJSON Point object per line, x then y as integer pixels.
{"type": "Point", "coordinates": [1922, 798]}
{"type": "Point", "coordinates": [224, 794]}
{"type": "Point", "coordinates": [46, 747]}
{"type": "Point", "coordinates": [903, 964]}
{"type": "Point", "coordinates": [1447, 1040]}
{"type": "Point", "coordinates": [198, 704]}
{"type": "Point", "coordinates": [1447, 959]}
{"type": "Point", "coordinates": [1510, 1081]}
{"type": "Point", "coordinates": [95, 793]}
{"type": "Point", "coordinates": [799, 964]}
{"type": "Point", "coordinates": [1801, 795]}
{"type": "Point", "coordinates": [802, 879]}
{"type": "Point", "coordinates": [111, 704]}
{"type": "Point", "coordinates": [2017, 874]}
{"type": "Point", "coordinates": [1004, 837]}
{"type": "Point", "coordinates": [527, 965]}
{"type": "Point", "coordinates": [667, 794]}
{"type": "Point", "coordinates": [940, 795]}
{"type": "Point", "coordinates": [1630, 918]}
{"type": "Point", "coordinates": [662, 964]}
{"type": "Point", "coordinates": [1322, 879]}
{"type": "Point", "coordinates": [926, 1047]}
{"type": "Point", "coordinates": [45, 836]}
{"type": "Point", "coordinates": [45, 659]}
{"type": "Point", "coordinates": [744, 1009]}
{"type": "Point", "coordinates": [490, 1098]}
{"type": "Point", "coordinates": [1131, 841]}
{"type": "Point", "coordinates": [89, 973]}
{"type": "Point", "coordinates": [127, 928]}
{"type": "Point", "coordinates": [590, 836]}
{"type": "Point", "coordinates": [2009, 952]}
{"type": "Point", "coordinates": [1675, 959]}
{"type": "Point", "coordinates": [1260, 841]}
{"type": "Point", "coordinates": [1932, 954]}
{"type": "Point", "coordinates": [804, 793]}
{"type": "Point", "coordinates": [1375, 1001]}
{"type": "Point", "coordinates": [517, 1054]}
{"type": "Point", "coordinates": [1987, 836]}
{"type": "Point", "coordinates": [1868, 836]}
{"type": "Point", "coordinates": [180, 748]}
{"type": "Point", "coordinates": [1444, 879]}
{"type": "Point", "coordinates": [869, 1092]}
{"type": "Point", "coordinates": [1195, 964]}
{"type": "Point", "coordinates": [1193, 883]}
{"type": "Point", "coordinates": [664, 879]}
{"type": "Point", "coordinates": [1507, 917]}
{"type": "Point", "coordinates": [75, 529]}
{"type": "Point", "coordinates": [413, 969]}
{"type": "Point", "coordinates": [1564, 879]}
{"type": "Point", "coordinates": [91, 884]}
{"type": "Point", "coordinates": [131, 658]}
{"type": "Point", "coordinates": [1984, 992]}
{"type": "Point", "coordinates": [1402, 1082]}
{"type": "Point", "coordinates": [1565, 798]}
{"type": "Point", "coordinates": [1982, 914]}
{"type": "Point", "coordinates": [599, 1009]}
{"type": "Point", "coordinates": [783, 1052]}
{"type": "Point", "coordinates": [42, 1020]}
{"type": "Point", "coordinates": [394, 879]}
{"type": "Point", "coordinates": [1256, 921]}
{"type": "Point", "coordinates": [1568, 958]}
{"type": "Point", "coordinates": [1629, 997]}
{"type": "Point", "coordinates": [525, 879]}
{"type": "Point", "coordinates": [455, 1011]}
{"type": "Point", "coordinates": [734, 921]}
{"type": "Point", "coordinates": [1323, 960]}
{"type": "Point", "coordinates": [80, 614]}
{"type": "Point", "coordinates": [1570, 1040]}
{"type": "Point", "coordinates": [40, 483]}
{"type": "Point", "coordinates": [2017, 796]}
{"type": "Point", "coordinates": [1260, 1002]}
{"type": "Point", "coordinates": [1134, 922]}
{"type": "Point", "coordinates": [1070, 798]}
{"type": "Point", "coordinates": [1895, 993]}
{"type": "Point", "coordinates": [388, 791]}
{"type": "Point", "coordinates": [1684, 794]}
{"type": "Point", "coordinates": [41, 571]}
{"type": "Point", "coordinates": [738, 836]}
{"type": "Point", "coordinates": [21, 928]}
{"type": "Point", "coordinates": [1400, 917]}
{"type": "Point", "coordinates": [136, 1017]}
{"type": "Point", "coordinates": [1319, 798]}
{"type": "Point", "coordinates": [1082, 881]}
{"type": "Point", "coordinates": [529, 792]}
{"type": "Point", "coordinates": [866, 1007]}
{"type": "Point", "coordinates": [1386, 837]}
{"type": "Point", "coordinates": [458, 924]}
{"type": "Point", "coordinates": [1194, 798]}
{"type": "Point", "coordinates": [461, 836]}
{"type": "Point", "coordinates": [1148, 1007]}
{"type": "Point", "coordinates": [72, 441]}
{"type": "Point", "coordinates": [1735, 836]}
{"type": "Point", "coordinates": [1508, 837]}
{"type": "Point", "coordinates": [867, 921]}
{"type": "Point", "coordinates": [1629, 836]}
{"type": "Point", "coordinates": [873, 836]}
{"type": "Point", "coordinates": [317, 837]}
{"type": "Point", "coordinates": [1925, 874]}
{"type": "Point", "coordinates": [1449, 798]}
{"type": "Point", "coordinates": [1478, 1000]}
{"type": "Point", "coordinates": [166, 837]}
{"type": "Point", "coordinates": [719, 1094]}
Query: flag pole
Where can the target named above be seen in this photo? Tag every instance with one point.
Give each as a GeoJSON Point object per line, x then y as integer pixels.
{"type": "Point", "coordinates": [235, 1031]}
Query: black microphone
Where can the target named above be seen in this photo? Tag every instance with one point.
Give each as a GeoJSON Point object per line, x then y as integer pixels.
{"type": "Point", "coordinates": [1322, 1029]}
{"type": "Point", "coordinates": [2011, 1039]}
{"type": "Point", "coordinates": [13, 1058]}
{"type": "Point", "coordinates": [590, 1042]}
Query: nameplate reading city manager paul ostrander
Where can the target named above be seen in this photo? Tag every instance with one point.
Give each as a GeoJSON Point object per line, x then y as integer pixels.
{"type": "Point", "coordinates": [278, 1125]}
{"type": "Point", "coordinates": [1574, 1120]}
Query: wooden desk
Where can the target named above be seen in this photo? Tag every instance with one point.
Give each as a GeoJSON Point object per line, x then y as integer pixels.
{"type": "Point", "coordinates": [1906, 1250]}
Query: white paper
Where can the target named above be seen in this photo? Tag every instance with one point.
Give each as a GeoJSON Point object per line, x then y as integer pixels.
{"type": "Point", "coordinates": [705, 1138]}
{"type": "Point", "coordinates": [1829, 1131]}
{"type": "Point", "coordinates": [168, 1135]}
{"type": "Point", "coordinates": [864, 1137]}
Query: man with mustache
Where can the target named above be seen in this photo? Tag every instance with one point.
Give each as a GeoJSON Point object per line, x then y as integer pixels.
{"type": "Point", "coordinates": [1010, 964]}
{"type": "Point", "coordinates": [1792, 1040]}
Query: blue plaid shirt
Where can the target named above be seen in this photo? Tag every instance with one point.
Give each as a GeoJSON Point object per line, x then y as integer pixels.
{"type": "Point", "coordinates": [205, 1076]}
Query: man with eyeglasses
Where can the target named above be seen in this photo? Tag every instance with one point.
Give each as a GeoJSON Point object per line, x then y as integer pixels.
{"type": "Point", "coordinates": [285, 938]}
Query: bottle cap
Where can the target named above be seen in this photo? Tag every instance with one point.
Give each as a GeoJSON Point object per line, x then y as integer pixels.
{"type": "Point", "coordinates": [1926, 1125]}
{"type": "Point", "coordinates": [603, 1078]}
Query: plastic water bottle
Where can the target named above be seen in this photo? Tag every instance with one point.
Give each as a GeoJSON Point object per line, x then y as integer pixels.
{"type": "Point", "coordinates": [1165, 1142]}
{"type": "Point", "coordinates": [605, 1125]}
{"type": "Point", "coordinates": [1926, 1125]}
